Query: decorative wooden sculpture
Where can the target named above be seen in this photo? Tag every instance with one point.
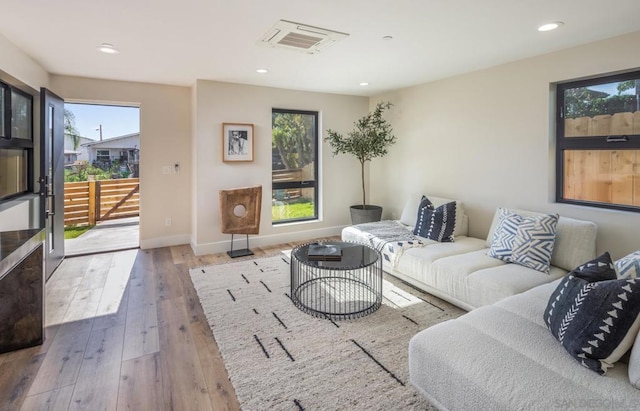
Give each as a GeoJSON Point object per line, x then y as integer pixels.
{"type": "Point", "coordinates": [240, 214]}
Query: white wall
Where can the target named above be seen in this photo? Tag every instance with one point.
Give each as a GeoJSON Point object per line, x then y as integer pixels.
{"type": "Point", "coordinates": [487, 138]}
{"type": "Point", "coordinates": [216, 103]}
{"type": "Point", "coordinates": [21, 66]}
{"type": "Point", "coordinates": [165, 139]}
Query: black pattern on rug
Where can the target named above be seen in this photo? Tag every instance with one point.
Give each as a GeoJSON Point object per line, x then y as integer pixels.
{"type": "Point", "coordinates": [279, 358]}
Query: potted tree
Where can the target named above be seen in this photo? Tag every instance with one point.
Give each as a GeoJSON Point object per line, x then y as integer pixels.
{"type": "Point", "coordinates": [371, 137]}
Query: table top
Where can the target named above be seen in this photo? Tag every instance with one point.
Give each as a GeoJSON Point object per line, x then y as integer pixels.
{"type": "Point", "coordinates": [353, 256]}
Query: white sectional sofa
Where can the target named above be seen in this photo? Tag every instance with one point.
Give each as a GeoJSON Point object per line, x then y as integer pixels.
{"type": "Point", "coordinates": [461, 272]}
{"type": "Point", "coordinates": [500, 356]}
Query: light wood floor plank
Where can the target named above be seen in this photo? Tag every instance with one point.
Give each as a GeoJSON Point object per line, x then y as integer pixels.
{"type": "Point", "coordinates": [141, 332]}
{"type": "Point", "coordinates": [116, 283]}
{"type": "Point", "coordinates": [95, 275]}
{"type": "Point", "coordinates": [56, 400]}
{"type": "Point", "coordinates": [141, 385]}
{"type": "Point", "coordinates": [63, 359]}
{"type": "Point", "coordinates": [184, 386]}
{"type": "Point", "coordinates": [98, 379]}
{"type": "Point", "coordinates": [83, 305]}
{"type": "Point", "coordinates": [16, 378]}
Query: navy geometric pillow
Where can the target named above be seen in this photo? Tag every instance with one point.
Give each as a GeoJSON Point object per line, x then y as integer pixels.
{"type": "Point", "coordinates": [436, 224]}
{"type": "Point", "coordinates": [595, 316]}
{"type": "Point", "coordinates": [504, 235]}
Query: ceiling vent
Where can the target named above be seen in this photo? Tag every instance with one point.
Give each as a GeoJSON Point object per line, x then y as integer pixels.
{"type": "Point", "coordinates": [300, 37]}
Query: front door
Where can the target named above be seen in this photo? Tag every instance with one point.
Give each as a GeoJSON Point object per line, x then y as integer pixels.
{"type": "Point", "coordinates": [52, 177]}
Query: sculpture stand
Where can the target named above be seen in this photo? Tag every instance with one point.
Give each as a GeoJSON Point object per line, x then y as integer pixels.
{"type": "Point", "coordinates": [240, 214]}
{"type": "Point", "coordinates": [239, 253]}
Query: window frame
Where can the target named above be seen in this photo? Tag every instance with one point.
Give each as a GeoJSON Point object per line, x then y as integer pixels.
{"type": "Point", "coordinates": [103, 150]}
{"type": "Point", "coordinates": [15, 143]}
{"type": "Point", "coordinates": [306, 183]}
{"type": "Point", "coordinates": [601, 142]}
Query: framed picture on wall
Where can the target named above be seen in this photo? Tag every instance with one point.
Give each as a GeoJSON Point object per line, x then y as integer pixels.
{"type": "Point", "coordinates": [237, 142]}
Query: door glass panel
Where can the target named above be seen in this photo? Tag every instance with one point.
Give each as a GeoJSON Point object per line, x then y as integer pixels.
{"type": "Point", "coordinates": [2, 99]}
{"type": "Point", "coordinates": [50, 191]}
{"type": "Point", "coordinates": [20, 116]}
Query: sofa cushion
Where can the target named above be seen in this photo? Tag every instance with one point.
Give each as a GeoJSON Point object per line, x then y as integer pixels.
{"type": "Point", "coordinates": [594, 315]}
{"type": "Point", "coordinates": [436, 224]}
{"type": "Point", "coordinates": [473, 363]}
{"type": "Point", "coordinates": [409, 214]}
{"type": "Point", "coordinates": [634, 364]}
{"type": "Point", "coordinates": [629, 266]}
{"type": "Point", "coordinates": [575, 240]}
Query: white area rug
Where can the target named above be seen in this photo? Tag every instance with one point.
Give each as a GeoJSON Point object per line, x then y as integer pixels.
{"type": "Point", "coordinates": [279, 358]}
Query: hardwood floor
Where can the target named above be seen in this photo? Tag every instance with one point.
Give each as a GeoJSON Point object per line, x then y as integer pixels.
{"type": "Point", "coordinates": [125, 331]}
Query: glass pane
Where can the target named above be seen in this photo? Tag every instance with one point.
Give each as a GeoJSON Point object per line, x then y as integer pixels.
{"type": "Point", "coordinates": [50, 173]}
{"type": "Point", "coordinates": [293, 162]}
{"type": "Point", "coordinates": [13, 172]}
{"type": "Point", "coordinates": [20, 116]}
{"type": "Point", "coordinates": [603, 109]}
{"type": "Point", "coordinates": [2, 99]}
{"type": "Point", "coordinates": [603, 176]}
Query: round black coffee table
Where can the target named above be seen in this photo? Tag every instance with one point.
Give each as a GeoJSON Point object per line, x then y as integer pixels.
{"type": "Point", "coordinates": [343, 287]}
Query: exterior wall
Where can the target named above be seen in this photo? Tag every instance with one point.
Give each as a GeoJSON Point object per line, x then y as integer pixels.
{"type": "Point", "coordinates": [487, 139]}
{"type": "Point", "coordinates": [165, 139]}
{"type": "Point", "coordinates": [216, 103]}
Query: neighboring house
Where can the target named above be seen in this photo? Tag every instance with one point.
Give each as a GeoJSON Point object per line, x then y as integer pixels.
{"type": "Point", "coordinates": [123, 149]}
{"type": "Point", "coordinates": [74, 154]}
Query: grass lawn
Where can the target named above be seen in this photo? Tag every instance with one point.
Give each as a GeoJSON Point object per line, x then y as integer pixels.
{"type": "Point", "coordinates": [291, 211]}
{"type": "Point", "coordinates": [75, 231]}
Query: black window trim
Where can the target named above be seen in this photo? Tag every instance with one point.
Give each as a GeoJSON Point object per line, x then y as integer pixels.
{"type": "Point", "coordinates": [307, 183]}
{"type": "Point", "coordinates": [6, 140]}
{"type": "Point", "coordinates": [608, 142]}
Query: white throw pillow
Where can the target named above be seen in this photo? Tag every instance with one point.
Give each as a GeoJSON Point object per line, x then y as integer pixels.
{"type": "Point", "coordinates": [629, 266]}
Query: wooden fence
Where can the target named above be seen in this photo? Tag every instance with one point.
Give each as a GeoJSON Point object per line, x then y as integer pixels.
{"type": "Point", "coordinates": [88, 202]}
{"type": "Point", "coordinates": [291, 175]}
{"type": "Point", "coordinates": [604, 125]}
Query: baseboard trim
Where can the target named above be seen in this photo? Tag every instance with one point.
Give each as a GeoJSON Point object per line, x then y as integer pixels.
{"type": "Point", "coordinates": [165, 241]}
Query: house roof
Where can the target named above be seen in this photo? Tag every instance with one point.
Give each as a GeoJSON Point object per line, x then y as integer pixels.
{"type": "Point", "coordinates": [220, 41]}
{"type": "Point", "coordinates": [110, 140]}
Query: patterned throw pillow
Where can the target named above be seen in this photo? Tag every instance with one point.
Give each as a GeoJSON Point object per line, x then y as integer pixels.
{"type": "Point", "coordinates": [504, 235]}
{"type": "Point", "coordinates": [527, 241]}
{"type": "Point", "coordinates": [629, 266]}
{"type": "Point", "coordinates": [436, 224]}
{"type": "Point", "coordinates": [594, 315]}
{"type": "Point", "coordinates": [533, 244]}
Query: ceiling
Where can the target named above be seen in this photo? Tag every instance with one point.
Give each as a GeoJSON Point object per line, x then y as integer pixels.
{"type": "Point", "coordinates": [178, 42]}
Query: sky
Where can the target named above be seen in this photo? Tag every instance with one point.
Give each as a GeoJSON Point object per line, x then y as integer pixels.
{"type": "Point", "coordinates": [115, 120]}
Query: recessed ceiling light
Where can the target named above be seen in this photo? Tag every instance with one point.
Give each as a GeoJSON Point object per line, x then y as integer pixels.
{"type": "Point", "coordinates": [262, 71]}
{"type": "Point", "coordinates": [107, 48]}
{"type": "Point", "coordinates": [550, 26]}
{"type": "Point", "coordinates": [364, 83]}
{"type": "Point", "coordinates": [387, 38]}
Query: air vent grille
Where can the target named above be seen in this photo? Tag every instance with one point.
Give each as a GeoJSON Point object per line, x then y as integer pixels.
{"type": "Point", "coordinates": [300, 37]}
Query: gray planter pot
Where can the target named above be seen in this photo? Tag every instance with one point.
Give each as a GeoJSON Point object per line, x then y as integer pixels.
{"type": "Point", "coordinates": [370, 214]}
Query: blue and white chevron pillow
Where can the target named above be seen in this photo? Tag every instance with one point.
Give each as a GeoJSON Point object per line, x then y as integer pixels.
{"type": "Point", "coordinates": [527, 241]}
{"type": "Point", "coordinates": [594, 315]}
{"type": "Point", "coordinates": [629, 266]}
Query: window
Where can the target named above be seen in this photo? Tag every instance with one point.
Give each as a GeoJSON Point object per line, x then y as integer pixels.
{"type": "Point", "coordinates": [103, 155]}
{"type": "Point", "coordinates": [598, 142]}
{"type": "Point", "coordinates": [294, 165]}
{"type": "Point", "coordinates": [16, 141]}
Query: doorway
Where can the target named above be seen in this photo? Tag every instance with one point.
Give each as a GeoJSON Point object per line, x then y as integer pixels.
{"type": "Point", "coordinates": [102, 178]}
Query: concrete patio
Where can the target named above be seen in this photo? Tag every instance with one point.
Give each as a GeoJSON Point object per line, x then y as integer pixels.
{"type": "Point", "coordinates": [112, 235]}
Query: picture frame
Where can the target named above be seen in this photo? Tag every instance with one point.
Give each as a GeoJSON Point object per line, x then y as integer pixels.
{"type": "Point", "coordinates": [237, 142]}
